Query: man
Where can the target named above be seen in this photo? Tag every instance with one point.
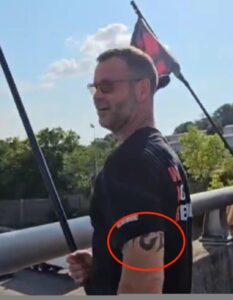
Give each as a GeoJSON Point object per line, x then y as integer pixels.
{"type": "Point", "coordinates": [142, 175]}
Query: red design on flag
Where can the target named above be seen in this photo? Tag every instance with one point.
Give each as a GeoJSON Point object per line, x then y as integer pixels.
{"type": "Point", "coordinates": [150, 48]}
{"type": "Point", "coordinates": [145, 40]}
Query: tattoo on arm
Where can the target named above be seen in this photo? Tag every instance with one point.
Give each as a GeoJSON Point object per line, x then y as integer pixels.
{"type": "Point", "coordinates": [153, 240]}
{"type": "Point", "coordinates": [149, 241]}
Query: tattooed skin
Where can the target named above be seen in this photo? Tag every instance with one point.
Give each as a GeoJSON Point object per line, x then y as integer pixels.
{"type": "Point", "coordinates": [149, 241]}
{"type": "Point", "coordinates": [154, 240]}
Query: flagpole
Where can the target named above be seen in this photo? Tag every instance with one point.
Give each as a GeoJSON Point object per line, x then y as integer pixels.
{"type": "Point", "coordinates": [180, 76]}
{"type": "Point", "coordinates": [186, 83]}
{"type": "Point", "coordinates": [38, 155]}
{"type": "Point", "coordinates": [140, 15]}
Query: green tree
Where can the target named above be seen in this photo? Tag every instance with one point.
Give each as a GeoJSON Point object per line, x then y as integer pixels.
{"type": "Point", "coordinates": [223, 175]}
{"type": "Point", "coordinates": [78, 166]}
{"type": "Point", "coordinates": [15, 173]}
{"type": "Point", "coordinates": [19, 173]}
{"type": "Point", "coordinates": [82, 165]}
{"type": "Point", "coordinates": [73, 166]}
{"type": "Point", "coordinates": [56, 144]}
{"type": "Point", "coordinates": [222, 116]}
{"type": "Point", "coordinates": [204, 156]}
{"type": "Point", "coordinates": [183, 127]}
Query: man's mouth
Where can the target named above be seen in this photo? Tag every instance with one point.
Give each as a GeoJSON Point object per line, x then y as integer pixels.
{"type": "Point", "coordinates": [102, 108]}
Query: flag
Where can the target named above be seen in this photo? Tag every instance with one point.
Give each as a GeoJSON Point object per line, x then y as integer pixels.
{"type": "Point", "coordinates": [144, 39]}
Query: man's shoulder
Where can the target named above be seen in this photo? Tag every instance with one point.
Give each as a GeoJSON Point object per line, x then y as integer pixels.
{"type": "Point", "coordinates": [135, 164]}
{"type": "Point", "coordinates": [126, 159]}
{"type": "Point", "coordinates": [144, 147]}
{"type": "Point", "coordinates": [140, 142]}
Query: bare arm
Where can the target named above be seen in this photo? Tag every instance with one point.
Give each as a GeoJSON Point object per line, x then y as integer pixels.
{"type": "Point", "coordinates": [146, 251]}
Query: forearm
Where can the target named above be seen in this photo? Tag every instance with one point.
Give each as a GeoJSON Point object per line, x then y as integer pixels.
{"type": "Point", "coordinates": [145, 251]}
{"type": "Point", "coordinates": [155, 287]}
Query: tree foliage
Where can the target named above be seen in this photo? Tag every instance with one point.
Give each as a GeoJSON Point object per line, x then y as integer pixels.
{"type": "Point", "coordinates": [72, 165]}
{"type": "Point", "coordinates": [222, 116]}
{"type": "Point", "coordinates": [206, 159]}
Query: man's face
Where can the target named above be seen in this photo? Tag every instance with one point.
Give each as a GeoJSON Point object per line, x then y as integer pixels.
{"type": "Point", "coordinates": [115, 107]}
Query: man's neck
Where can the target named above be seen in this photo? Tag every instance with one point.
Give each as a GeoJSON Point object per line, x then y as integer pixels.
{"type": "Point", "coordinates": [127, 131]}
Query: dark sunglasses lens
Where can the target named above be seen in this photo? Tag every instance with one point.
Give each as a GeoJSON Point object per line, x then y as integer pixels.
{"type": "Point", "coordinates": [106, 87]}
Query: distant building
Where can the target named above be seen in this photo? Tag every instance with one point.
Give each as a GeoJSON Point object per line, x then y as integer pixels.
{"type": "Point", "coordinates": [228, 134]}
{"type": "Point", "coordinates": [174, 139]}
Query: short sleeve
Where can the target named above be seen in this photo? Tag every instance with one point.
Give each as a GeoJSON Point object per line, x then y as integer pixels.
{"type": "Point", "coordinates": [132, 186]}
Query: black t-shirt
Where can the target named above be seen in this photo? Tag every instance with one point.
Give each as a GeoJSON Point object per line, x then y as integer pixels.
{"type": "Point", "coordinates": [143, 174]}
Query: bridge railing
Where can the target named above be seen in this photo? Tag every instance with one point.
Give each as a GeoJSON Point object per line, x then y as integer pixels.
{"type": "Point", "coordinates": [215, 229]}
{"type": "Point", "coordinates": [26, 247]}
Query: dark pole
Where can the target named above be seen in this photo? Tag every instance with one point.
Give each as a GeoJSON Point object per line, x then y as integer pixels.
{"type": "Point", "coordinates": [179, 75]}
{"type": "Point", "coordinates": [185, 82]}
{"type": "Point", "coordinates": [39, 156]}
{"type": "Point", "coordinates": [140, 15]}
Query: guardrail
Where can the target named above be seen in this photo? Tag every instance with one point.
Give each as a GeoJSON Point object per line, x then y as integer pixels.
{"type": "Point", "coordinates": [23, 248]}
{"type": "Point", "coordinates": [215, 230]}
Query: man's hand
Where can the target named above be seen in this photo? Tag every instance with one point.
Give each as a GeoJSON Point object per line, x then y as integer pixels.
{"type": "Point", "coordinates": [80, 263]}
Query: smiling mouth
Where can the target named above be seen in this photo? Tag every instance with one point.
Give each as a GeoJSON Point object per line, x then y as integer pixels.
{"type": "Point", "coordinates": [103, 109]}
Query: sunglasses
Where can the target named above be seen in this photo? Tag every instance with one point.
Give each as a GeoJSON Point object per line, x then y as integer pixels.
{"type": "Point", "coordinates": [107, 86]}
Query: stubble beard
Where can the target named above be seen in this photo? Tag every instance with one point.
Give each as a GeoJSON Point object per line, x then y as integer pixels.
{"type": "Point", "coordinates": [122, 114]}
{"type": "Point", "coordinates": [119, 115]}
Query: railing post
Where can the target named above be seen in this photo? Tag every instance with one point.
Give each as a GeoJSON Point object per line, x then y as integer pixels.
{"type": "Point", "coordinates": [215, 230]}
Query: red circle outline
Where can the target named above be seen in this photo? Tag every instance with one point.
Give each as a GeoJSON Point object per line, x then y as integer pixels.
{"type": "Point", "coordinates": [146, 269]}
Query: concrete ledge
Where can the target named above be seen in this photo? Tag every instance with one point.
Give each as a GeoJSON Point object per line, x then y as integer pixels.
{"type": "Point", "coordinates": [212, 269]}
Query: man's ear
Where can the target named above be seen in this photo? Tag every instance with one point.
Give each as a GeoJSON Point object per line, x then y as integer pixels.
{"type": "Point", "coordinates": [163, 81]}
{"type": "Point", "coordinates": [143, 89]}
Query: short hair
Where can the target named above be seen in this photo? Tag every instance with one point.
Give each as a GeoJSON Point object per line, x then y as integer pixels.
{"type": "Point", "coordinates": [138, 62]}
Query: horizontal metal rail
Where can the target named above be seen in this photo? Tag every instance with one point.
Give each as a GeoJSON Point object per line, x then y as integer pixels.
{"type": "Point", "coordinates": [23, 248]}
{"type": "Point", "coordinates": [26, 247]}
{"type": "Point", "coordinates": [215, 199]}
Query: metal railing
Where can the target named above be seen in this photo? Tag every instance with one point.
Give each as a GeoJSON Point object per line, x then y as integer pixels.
{"type": "Point", "coordinates": [215, 230]}
{"type": "Point", "coordinates": [23, 248]}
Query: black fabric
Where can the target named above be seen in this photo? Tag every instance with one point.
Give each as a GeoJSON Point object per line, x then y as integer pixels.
{"type": "Point", "coordinates": [143, 174]}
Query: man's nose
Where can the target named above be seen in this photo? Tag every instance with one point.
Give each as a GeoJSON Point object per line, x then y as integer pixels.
{"type": "Point", "coordinates": [98, 95]}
